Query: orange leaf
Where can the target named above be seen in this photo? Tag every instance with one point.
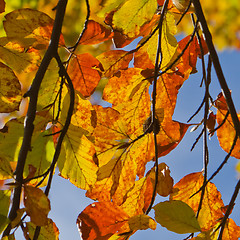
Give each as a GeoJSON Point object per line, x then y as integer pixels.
{"type": "Point", "coordinates": [84, 70]}
{"type": "Point", "coordinates": [95, 33]}
{"type": "Point", "coordinates": [114, 60]}
{"type": "Point", "coordinates": [37, 205]}
{"type": "Point", "coordinates": [101, 220]}
{"type": "Point", "coordinates": [226, 134]}
{"type": "Point", "coordinates": [211, 210]}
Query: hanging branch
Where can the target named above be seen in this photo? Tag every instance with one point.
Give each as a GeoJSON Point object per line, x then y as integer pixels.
{"type": "Point", "coordinates": [33, 96]}
{"type": "Point", "coordinates": [217, 66]}
{"type": "Point", "coordinates": [154, 122]}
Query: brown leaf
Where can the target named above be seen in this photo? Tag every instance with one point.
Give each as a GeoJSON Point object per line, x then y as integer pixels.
{"type": "Point", "coordinates": [165, 181]}
{"type": "Point", "coordinates": [2, 6]}
{"type": "Point", "coordinates": [37, 205]}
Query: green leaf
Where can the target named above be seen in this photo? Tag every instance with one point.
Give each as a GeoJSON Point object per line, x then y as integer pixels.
{"type": "Point", "coordinates": [5, 201]}
{"type": "Point", "coordinates": [176, 216]}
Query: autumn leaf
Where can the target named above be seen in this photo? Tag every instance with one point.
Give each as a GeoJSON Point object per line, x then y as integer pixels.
{"type": "Point", "coordinates": [211, 210]}
{"type": "Point", "coordinates": [10, 92]}
{"type": "Point", "coordinates": [231, 232]}
{"type": "Point", "coordinates": [176, 216]}
{"type": "Point", "coordinates": [129, 22]}
{"type": "Point", "coordinates": [15, 56]}
{"type": "Point", "coordinates": [95, 33]}
{"type": "Point", "coordinates": [5, 203]}
{"type": "Point", "coordinates": [37, 205]}
{"type": "Point", "coordinates": [85, 72]}
{"type": "Point", "coordinates": [165, 181]}
{"type": "Point", "coordinates": [168, 46]}
{"type": "Point", "coordinates": [226, 133]}
{"type": "Point", "coordinates": [137, 200]}
{"type": "Point", "coordinates": [114, 60]}
{"type": "Point", "coordinates": [101, 220]}
{"type": "Point", "coordinates": [42, 150]}
{"type": "Point", "coordinates": [141, 222]}
{"type": "Point", "coordinates": [29, 28]}
{"type": "Point", "coordinates": [48, 231]}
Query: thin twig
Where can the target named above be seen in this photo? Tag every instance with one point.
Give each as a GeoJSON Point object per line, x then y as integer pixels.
{"type": "Point", "coordinates": [217, 66]}
{"type": "Point", "coordinates": [154, 94]}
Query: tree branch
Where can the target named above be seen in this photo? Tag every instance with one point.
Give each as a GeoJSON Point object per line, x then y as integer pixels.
{"type": "Point", "coordinates": [33, 95]}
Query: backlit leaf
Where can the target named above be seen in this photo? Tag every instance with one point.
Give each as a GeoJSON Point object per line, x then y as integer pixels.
{"type": "Point", "coordinates": [47, 232]}
{"type": "Point", "coordinates": [15, 56]}
{"type": "Point", "coordinates": [10, 93]}
{"type": "Point", "coordinates": [141, 222]}
{"type": "Point", "coordinates": [138, 198]}
{"type": "Point", "coordinates": [84, 70]}
{"type": "Point", "coordinates": [5, 168]}
{"type": "Point", "coordinates": [165, 181]}
{"type": "Point", "coordinates": [132, 15]}
{"type": "Point", "coordinates": [101, 220]}
{"type": "Point", "coordinates": [37, 205]}
{"type": "Point", "coordinates": [42, 147]}
{"type": "Point", "coordinates": [231, 232]}
{"type": "Point", "coordinates": [168, 45]}
{"type": "Point", "coordinates": [211, 210]}
{"type": "Point", "coordinates": [29, 27]}
{"type": "Point", "coordinates": [226, 133]}
{"type": "Point", "coordinates": [95, 33]}
{"type": "Point", "coordinates": [176, 216]}
{"type": "Point", "coordinates": [114, 60]}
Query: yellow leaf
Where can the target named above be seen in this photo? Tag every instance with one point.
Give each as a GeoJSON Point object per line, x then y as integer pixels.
{"type": "Point", "coordinates": [176, 216]}
{"type": "Point", "coordinates": [141, 222]}
{"type": "Point", "coordinates": [132, 15]}
{"type": "Point", "coordinates": [29, 27]}
{"type": "Point", "coordinates": [14, 55]}
{"type": "Point", "coordinates": [10, 90]}
{"type": "Point", "coordinates": [168, 45]}
{"type": "Point", "coordinates": [37, 205]}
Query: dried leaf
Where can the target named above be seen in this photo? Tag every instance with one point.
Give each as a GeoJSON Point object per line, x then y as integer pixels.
{"type": "Point", "coordinates": [165, 181]}
{"type": "Point", "coordinates": [37, 205]}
